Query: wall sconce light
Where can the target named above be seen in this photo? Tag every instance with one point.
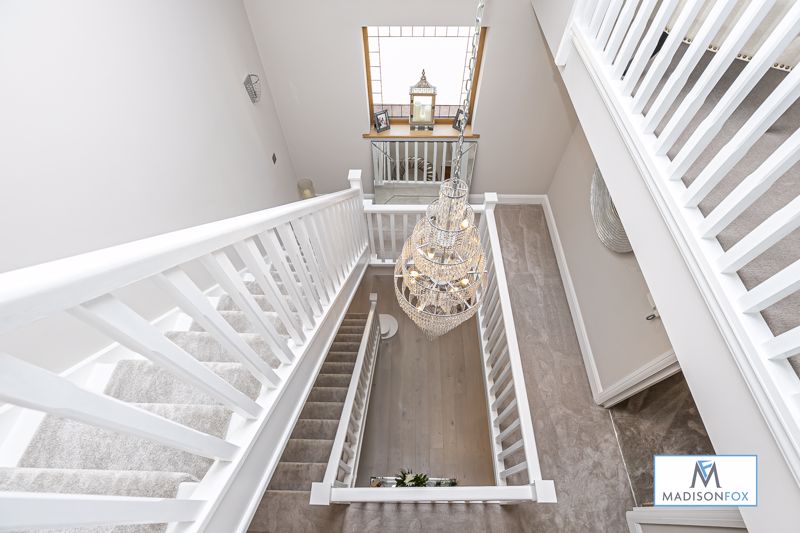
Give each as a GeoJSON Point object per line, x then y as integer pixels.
{"type": "Point", "coordinates": [253, 86]}
{"type": "Point", "coordinates": [305, 189]}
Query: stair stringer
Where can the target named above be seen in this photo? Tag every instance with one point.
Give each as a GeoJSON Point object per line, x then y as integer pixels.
{"type": "Point", "coordinates": [735, 413]}
{"type": "Point", "coordinates": [232, 506]}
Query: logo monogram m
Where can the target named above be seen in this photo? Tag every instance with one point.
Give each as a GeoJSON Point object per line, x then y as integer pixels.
{"type": "Point", "coordinates": [705, 469]}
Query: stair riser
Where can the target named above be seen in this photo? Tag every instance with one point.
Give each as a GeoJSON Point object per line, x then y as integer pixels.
{"type": "Point", "coordinates": [315, 429]}
{"type": "Point", "coordinates": [338, 368]}
{"type": "Point", "coordinates": [296, 476]}
{"type": "Point", "coordinates": [322, 411]}
{"type": "Point", "coordinates": [307, 451]}
{"type": "Point", "coordinates": [327, 394]}
{"type": "Point", "coordinates": [332, 380]}
{"type": "Point", "coordinates": [204, 347]}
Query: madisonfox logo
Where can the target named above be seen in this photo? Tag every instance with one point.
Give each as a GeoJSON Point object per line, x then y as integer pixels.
{"type": "Point", "coordinates": [705, 470]}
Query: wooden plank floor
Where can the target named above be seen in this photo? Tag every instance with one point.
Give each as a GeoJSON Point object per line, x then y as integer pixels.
{"type": "Point", "coordinates": [427, 410]}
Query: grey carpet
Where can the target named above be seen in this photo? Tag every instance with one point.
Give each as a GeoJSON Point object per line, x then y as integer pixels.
{"type": "Point", "coordinates": [285, 507]}
{"type": "Point", "coordinates": [785, 314]}
{"type": "Point", "coordinates": [62, 443]}
{"type": "Point", "coordinates": [153, 384]}
{"type": "Point", "coordinates": [205, 347]}
{"type": "Point", "coordinates": [103, 482]}
{"type": "Point", "coordinates": [71, 457]}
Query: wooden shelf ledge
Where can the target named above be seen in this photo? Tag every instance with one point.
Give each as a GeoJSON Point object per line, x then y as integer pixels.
{"type": "Point", "coordinates": [403, 131]}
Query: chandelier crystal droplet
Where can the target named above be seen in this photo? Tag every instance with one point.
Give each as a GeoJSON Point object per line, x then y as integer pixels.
{"type": "Point", "coordinates": [440, 271]}
{"type": "Point", "coordinates": [441, 265]}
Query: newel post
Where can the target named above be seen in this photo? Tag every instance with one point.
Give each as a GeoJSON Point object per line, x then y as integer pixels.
{"type": "Point", "coordinates": [354, 177]}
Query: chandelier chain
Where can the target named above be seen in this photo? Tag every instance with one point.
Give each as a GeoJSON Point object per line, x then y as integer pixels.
{"type": "Point", "coordinates": [468, 93]}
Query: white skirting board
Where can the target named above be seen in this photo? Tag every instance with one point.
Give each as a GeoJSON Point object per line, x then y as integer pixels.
{"type": "Point", "coordinates": [661, 367]}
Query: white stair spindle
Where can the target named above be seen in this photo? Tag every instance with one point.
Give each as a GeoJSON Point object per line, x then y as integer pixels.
{"type": "Point", "coordinates": [774, 289]}
{"type": "Point", "coordinates": [221, 268]}
{"type": "Point", "coordinates": [300, 268]}
{"type": "Point", "coordinates": [29, 386]}
{"type": "Point", "coordinates": [677, 80]}
{"type": "Point", "coordinates": [31, 510]}
{"type": "Point", "coordinates": [314, 260]}
{"type": "Point", "coordinates": [192, 300]}
{"type": "Point", "coordinates": [251, 255]}
{"type": "Point", "coordinates": [269, 241]}
{"type": "Point", "coordinates": [648, 45]}
{"type": "Point", "coordinates": [779, 100]}
{"type": "Point", "coordinates": [635, 32]}
{"type": "Point", "coordinates": [122, 324]}
{"type": "Point", "coordinates": [752, 187]}
{"type": "Point", "coordinates": [728, 50]}
{"type": "Point", "coordinates": [608, 23]}
{"type": "Point", "coordinates": [777, 226]}
{"type": "Point", "coordinates": [620, 29]}
{"type": "Point", "coordinates": [764, 58]}
{"type": "Point", "coordinates": [784, 345]}
{"type": "Point", "coordinates": [597, 17]}
{"type": "Point", "coordinates": [664, 57]}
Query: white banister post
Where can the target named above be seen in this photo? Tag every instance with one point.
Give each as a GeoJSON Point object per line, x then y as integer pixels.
{"type": "Point", "coordinates": [354, 177]}
{"type": "Point", "coordinates": [489, 201]}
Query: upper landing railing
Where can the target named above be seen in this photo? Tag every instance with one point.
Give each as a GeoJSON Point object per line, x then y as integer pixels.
{"type": "Point", "coordinates": [672, 74]}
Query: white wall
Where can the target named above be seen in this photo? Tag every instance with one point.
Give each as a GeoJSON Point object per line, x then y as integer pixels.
{"type": "Point", "coordinates": [121, 120]}
{"type": "Point", "coordinates": [313, 52]}
{"type": "Point", "coordinates": [126, 119]}
{"type": "Point", "coordinates": [552, 16]}
{"type": "Point", "coordinates": [611, 291]}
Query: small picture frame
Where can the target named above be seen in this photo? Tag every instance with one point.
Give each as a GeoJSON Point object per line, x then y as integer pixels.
{"type": "Point", "coordinates": [457, 119]}
{"type": "Point", "coordinates": [382, 121]}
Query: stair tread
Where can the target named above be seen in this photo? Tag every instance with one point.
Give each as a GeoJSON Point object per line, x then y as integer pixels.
{"type": "Point", "coordinates": [294, 475]}
{"type": "Point", "coordinates": [68, 444]}
{"type": "Point", "coordinates": [240, 321]}
{"type": "Point", "coordinates": [307, 450]}
{"type": "Point", "coordinates": [206, 348]}
{"type": "Point", "coordinates": [135, 380]}
{"type": "Point", "coordinates": [152, 484]}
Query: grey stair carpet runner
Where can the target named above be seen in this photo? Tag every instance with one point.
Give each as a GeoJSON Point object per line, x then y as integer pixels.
{"type": "Point", "coordinates": [65, 456]}
{"type": "Point", "coordinates": [306, 454]}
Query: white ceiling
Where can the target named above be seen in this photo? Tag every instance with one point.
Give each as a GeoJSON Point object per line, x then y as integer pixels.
{"type": "Point", "coordinates": [313, 56]}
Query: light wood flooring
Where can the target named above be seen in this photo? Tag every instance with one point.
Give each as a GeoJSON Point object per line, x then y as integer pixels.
{"type": "Point", "coordinates": [427, 411]}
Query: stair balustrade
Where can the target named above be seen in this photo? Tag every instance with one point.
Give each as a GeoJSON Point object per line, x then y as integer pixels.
{"type": "Point", "coordinates": [672, 75]}
{"type": "Point", "coordinates": [412, 161]}
{"type": "Point", "coordinates": [285, 276]}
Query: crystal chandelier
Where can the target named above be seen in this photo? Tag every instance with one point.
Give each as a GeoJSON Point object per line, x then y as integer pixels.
{"type": "Point", "coordinates": [441, 265]}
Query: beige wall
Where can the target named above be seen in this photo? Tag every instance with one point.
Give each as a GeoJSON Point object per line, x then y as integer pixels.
{"type": "Point", "coordinates": [121, 120]}
{"type": "Point", "coordinates": [312, 50]}
{"type": "Point", "coordinates": [610, 288]}
{"type": "Point", "coordinates": [126, 119]}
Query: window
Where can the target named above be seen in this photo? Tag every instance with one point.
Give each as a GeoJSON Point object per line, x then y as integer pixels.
{"type": "Point", "coordinates": [396, 55]}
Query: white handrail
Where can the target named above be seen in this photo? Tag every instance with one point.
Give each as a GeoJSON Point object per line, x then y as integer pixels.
{"type": "Point", "coordinates": [315, 250]}
{"type": "Point", "coordinates": [354, 413]}
{"type": "Point", "coordinates": [37, 291]}
{"type": "Point", "coordinates": [501, 355]}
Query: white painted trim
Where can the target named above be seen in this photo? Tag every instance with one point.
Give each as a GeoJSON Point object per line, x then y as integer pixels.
{"type": "Point", "coordinates": [513, 199]}
{"type": "Point", "coordinates": [574, 307]}
{"type": "Point", "coordinates": [710, 518]}
{"type": "Point", "coordinates": [643, 377]}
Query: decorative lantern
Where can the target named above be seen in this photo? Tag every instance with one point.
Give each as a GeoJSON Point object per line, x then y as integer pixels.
{"type": "Point", "coordinates": [423, 103]}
